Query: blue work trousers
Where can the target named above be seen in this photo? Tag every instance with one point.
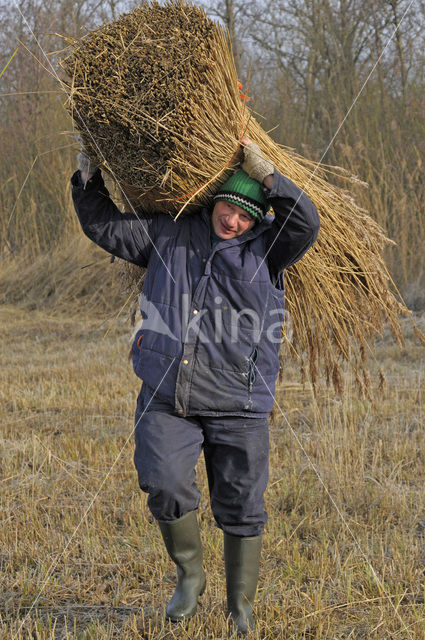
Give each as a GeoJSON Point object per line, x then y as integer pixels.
{"type": "Point", "coordinates": [236, 452]}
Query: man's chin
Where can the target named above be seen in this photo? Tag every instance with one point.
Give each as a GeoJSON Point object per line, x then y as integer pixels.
{"type": "Point", "coordinates": [225, 235]}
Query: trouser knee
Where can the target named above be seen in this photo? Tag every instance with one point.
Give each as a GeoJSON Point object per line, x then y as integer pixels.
{"type": "Point", "coordinates": [168, 500]}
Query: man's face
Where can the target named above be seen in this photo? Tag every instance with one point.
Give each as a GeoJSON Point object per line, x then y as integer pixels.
{"type": "Point", "coordinates": [230, 221]}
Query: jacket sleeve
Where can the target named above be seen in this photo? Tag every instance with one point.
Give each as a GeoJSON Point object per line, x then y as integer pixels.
{"type": "Point", "coordinates": [295, 227]}
{"type": "Point", "coordinates": [125, 235]}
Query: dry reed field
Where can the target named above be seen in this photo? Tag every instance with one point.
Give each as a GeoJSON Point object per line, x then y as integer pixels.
{"type": "Point", "coordinates": [81, 557]}
{"type": "Point", "coordinates": [344, 553]}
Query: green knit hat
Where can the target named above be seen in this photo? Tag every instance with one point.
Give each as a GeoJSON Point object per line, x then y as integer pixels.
{"type": "Point", "coordinates": [246, 193]}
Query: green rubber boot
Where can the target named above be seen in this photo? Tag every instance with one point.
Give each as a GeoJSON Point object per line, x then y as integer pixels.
{"type": "Point", "coordinates": [242, 562]}
{"type": "Point", "coordinates": [183, 543]}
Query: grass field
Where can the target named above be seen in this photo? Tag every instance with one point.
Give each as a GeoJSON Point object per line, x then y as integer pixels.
{"type": "Point", "coordinates": [344, 549]}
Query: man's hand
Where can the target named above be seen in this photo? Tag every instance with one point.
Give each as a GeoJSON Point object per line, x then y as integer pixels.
{"type": "Point", "coordinates": [86, 165]}
{"type": "Point", "coordinates": [255, 164]}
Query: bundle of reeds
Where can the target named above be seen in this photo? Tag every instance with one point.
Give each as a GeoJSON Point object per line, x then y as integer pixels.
{"type": "Point", "coordinates": [155, 96]}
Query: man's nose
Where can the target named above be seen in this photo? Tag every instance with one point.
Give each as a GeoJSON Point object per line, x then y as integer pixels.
{"type": "Point", "coordinates": [232, 220]}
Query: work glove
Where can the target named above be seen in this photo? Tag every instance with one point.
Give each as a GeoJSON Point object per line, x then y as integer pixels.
{"type": "Point", "coordinates": [255, 164]}
{"type": "Point", "coordinates": [86, 164]}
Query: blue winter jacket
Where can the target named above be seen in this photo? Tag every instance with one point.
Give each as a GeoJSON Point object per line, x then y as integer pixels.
{"type": "Point", "coordinates": [211, 316]}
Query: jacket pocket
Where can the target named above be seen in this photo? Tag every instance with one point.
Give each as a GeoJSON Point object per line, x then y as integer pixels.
{"type": "Point", "coordinates": [251, 368]}
{"type": "Point", "coordinates": [136, 346]}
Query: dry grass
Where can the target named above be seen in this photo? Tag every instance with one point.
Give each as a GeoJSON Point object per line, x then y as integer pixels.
{"type": "Point", "coordinates": [82, 559]}
{"type": "Point", "coordinates": [74, 274]}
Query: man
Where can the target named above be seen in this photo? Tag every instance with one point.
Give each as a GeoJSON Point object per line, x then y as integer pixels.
{"type": "Point", "coordinates": [207, 352]}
